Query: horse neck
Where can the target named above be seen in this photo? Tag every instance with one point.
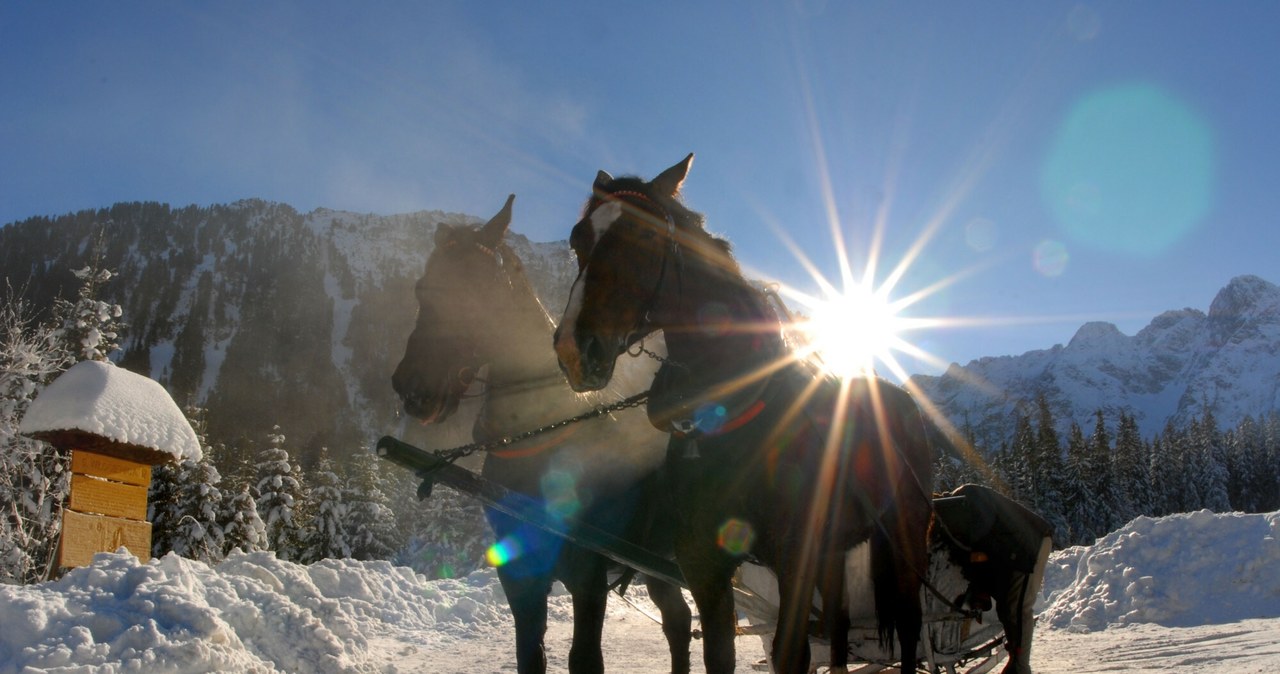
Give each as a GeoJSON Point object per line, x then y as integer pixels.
{"type": "Point", "coordinates": [721, 324]}
{"type": "Point", "coordinates": [526, 386]}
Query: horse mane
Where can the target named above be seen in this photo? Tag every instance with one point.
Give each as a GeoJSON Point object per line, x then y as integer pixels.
{"type": "Point", "coordinates": [687, 221]}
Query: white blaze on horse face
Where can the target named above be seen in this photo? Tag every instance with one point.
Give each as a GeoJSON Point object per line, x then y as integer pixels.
{"type": "Point", "coordinates": [567, 346]}
{"type": "Point", "coordinates": [605, 215]}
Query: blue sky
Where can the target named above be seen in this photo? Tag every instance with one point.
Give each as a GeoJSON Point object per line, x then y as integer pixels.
{"type": "Point", "coordinates": [1060, 162]}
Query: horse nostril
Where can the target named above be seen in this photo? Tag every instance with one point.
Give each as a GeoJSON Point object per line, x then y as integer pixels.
{"type": "Point", "coordinates": [593, 349]}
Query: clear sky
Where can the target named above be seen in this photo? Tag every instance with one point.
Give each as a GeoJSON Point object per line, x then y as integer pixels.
{"type": "Point", "coordinates": [1036, 164]}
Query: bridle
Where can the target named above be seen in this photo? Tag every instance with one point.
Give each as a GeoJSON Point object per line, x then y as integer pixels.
{"type": "Point", "coordinates": [503, 273]}
{"type": "Point", "coordinates": [670, 252]}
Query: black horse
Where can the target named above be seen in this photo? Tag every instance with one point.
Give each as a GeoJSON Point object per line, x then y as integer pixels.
{"type": "Point", "coordinates": [476, 308]}
{"type": "Point", "coordinates": [770, 459]}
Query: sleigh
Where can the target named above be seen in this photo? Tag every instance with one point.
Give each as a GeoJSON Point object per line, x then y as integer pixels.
{"type": "Point", "coordinates": [952, 641]}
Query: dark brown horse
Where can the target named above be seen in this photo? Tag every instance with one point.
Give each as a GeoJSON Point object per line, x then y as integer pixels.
{"type": "Point", "coordinates": [476, 308]}
{"type": "Point", "coordinates": [770, 459]}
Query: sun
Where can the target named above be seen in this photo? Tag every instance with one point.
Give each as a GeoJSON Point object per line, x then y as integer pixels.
{"type": "Point", "coordinates": [854, 330]}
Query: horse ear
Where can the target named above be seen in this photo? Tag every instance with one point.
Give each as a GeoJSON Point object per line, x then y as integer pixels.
{"type": "Point", "coordinates": [602, 180]}
{"type": "Point", "coordinates": [669, 181]}
{"type": "Point", "coordinates": [496, 228]}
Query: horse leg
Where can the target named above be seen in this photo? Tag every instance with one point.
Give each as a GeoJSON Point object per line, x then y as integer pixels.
{"type": "Point", "coordinates": [588, 584]}
{"type": "Point", "coordinates": [835, 610]}
{"type": "Point", "coordinates": [910, 622]}
{"type": "Point", "coordinates": [676, 621]}
{"type": "Point", "coordinates": [797, 579]}
{"type": "Point", "coordinates": [710, 582]}
{"type": "Point", "coordinates": [897, 567]}
{"type": "Point", "coordinates": [527, 599]}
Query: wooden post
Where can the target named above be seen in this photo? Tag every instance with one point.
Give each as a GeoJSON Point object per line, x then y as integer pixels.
{"type": "Point", "coordinates": [106, 509]}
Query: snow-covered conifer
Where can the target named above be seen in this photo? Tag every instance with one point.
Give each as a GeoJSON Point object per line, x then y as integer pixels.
{"type": "Point", "coordinates": [371, 526]}
{"type": "Point", "coordinates": [280, 498]}
{"type": "Point", "coordinates": [326, 536]}
{"type": "Point", "coordinates": [242, 527]}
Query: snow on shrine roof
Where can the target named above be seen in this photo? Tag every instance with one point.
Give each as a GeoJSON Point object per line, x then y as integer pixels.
{"type": "Point", "coordinates": [114, 403]}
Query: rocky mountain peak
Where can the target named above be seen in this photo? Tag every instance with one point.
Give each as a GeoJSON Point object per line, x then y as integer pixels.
{"type": "Point", "coordinates": [1244, 300]}
{"type": "Point", "coordinates": [1183, 362]}
{"type": "Point", "coordinates": [1096, 334]}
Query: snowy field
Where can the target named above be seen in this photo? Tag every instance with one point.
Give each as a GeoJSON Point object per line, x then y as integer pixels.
{"type": "Point", "coordinates": [1187, 593]}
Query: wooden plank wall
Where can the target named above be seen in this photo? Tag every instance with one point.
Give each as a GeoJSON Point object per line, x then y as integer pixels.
{"type": "Point", "coordinates": [107, 508]}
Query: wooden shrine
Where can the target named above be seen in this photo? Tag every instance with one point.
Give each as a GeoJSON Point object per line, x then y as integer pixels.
{"type": "Point", "coordinates": [115, 425]}
{"type": "Point", "coordinates": [106, 508]}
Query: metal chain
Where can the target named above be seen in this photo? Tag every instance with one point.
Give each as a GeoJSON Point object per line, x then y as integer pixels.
{"type": "Point", "coordinates": [451, 455]}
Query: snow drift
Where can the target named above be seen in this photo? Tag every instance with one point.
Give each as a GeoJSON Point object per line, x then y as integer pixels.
{"type": "Point", "coordinates": [256, 613]}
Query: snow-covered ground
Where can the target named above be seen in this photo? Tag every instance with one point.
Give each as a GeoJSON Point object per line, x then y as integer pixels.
{"type": "Point", "coordinates": [1196, 592]}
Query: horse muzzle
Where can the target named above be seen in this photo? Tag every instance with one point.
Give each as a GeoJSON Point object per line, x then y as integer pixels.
{"type": "Point", "coordinates": [586, 361]}
{"type": "Point", "coordinates": [432, 405]}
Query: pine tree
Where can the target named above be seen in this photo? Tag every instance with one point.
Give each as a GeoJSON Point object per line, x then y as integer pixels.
{"type": "Point", "coordinates": [242, 527]}
{"type": "Point", "coordinates": [162, 507]}
{"type": "Point", "coordinates": [1019, 469]}
{"type": "Point", "coordinates": [1131, 471]}
{"type": "Point", "coordinates": [280, 496]}
{"type": "Point", "coordinates": [327, 534]}
{"type": "Point", "coordinates": [1047, 469]}
{"type": "Point", "coordinates": [1270, 442]}
{"type": "Point", "coordinates": [452, 539]}
{"type": "Point", "coordinates": [1165, 468]}
{"type": "Point", "coordinates": [1109, 517]}
{"type": "Point", "coordinates": [1249, 474]}
{"type": "Point", "coordinates": [1080, 501]}
{"type": "Point", "coordinates": [89, 325]}
{"type": "Point", "coordinates": [199, 533]}
{"type": "Point", "coordinates": [371, 526]}
{"type": "Point", "coordinates": [1207, 445]}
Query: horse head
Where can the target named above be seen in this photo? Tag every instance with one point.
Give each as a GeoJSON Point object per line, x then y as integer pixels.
{"type": "Point", "coordinates": [628, 245]}
{"type": "Point", "coordinates": [463, 299]}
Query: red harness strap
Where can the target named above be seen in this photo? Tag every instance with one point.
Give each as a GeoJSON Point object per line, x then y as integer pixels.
{"type": "Point", "coordinates": [742, 419]}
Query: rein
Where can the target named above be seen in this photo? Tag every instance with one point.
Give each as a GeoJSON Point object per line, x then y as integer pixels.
{"type": "Point", "coordinates": [452, 455]}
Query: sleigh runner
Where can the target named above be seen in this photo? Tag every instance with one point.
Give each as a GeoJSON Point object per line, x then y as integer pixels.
{"type": "Point", "coordinates": [953, 641]}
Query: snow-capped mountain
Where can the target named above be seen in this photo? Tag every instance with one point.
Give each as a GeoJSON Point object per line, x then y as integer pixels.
{"type": "Point", "coordinates": [260, 314]}
{"type": "Point", "coordinates": [1182, 363]}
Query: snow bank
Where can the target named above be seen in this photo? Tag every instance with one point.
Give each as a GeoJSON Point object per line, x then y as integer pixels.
{"type": "Point", "coordinates": [252, 612]}
{"type": "Point", "coordinates": [255, 613]}
{"type": "Point", "coordinates": [114, 403]}
{"type": "Point", "coordinates": [1183, 570]}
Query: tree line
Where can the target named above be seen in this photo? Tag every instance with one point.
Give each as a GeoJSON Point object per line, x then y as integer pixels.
{"type": "Point", "coordinates": [1086, 486]}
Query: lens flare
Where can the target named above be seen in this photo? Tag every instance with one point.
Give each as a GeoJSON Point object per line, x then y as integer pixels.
{"type": "Point", "coordinates": [1130, 170]}
{"type": "Point", "coordinates": [1050, 258]}
{"type": "Point", "coordinates": [981, 235]}
{"type": "Point", "coordinates": [504, 552]}
{"type": "Point", "coordinates": [736, 537]}
{"type": "Point", "coordinates": [560, 490]}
